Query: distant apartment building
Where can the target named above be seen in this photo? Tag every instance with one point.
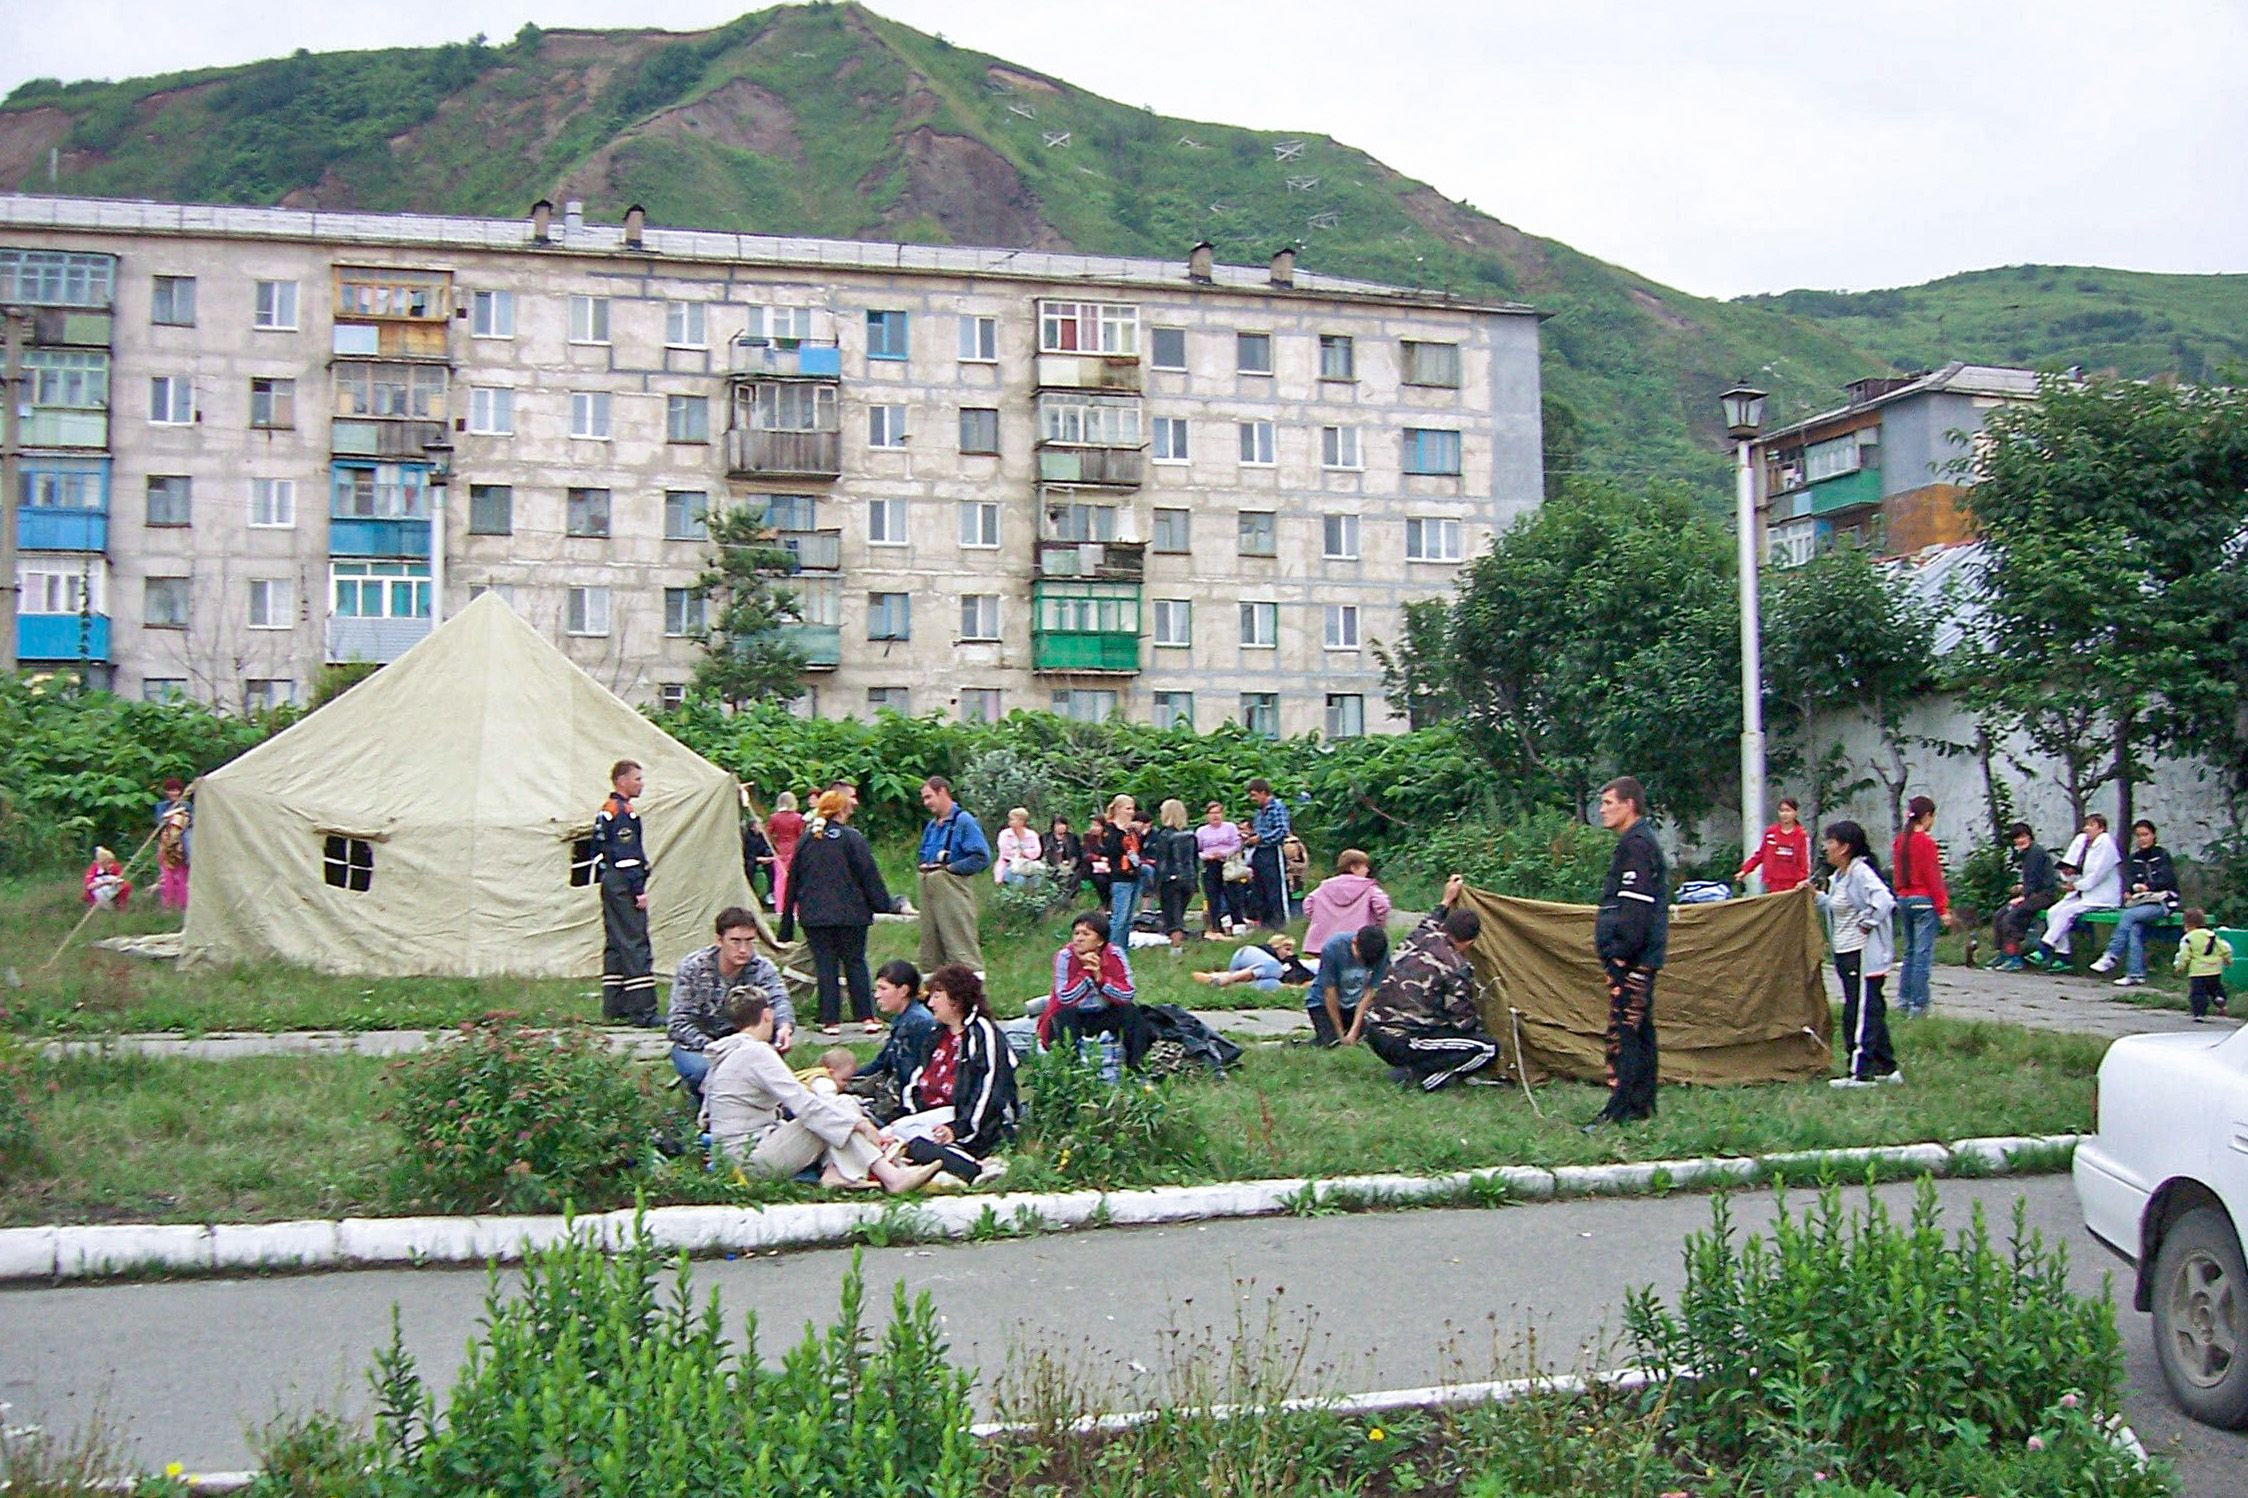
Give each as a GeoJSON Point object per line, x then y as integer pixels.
{"type": "Point", "coordinates": [261, 440]}
{"type": "Point", "coordinates": [1879, 468]}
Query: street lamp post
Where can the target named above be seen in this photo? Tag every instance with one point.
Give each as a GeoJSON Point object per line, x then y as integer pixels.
{"type": "Point", "coordinates": [1744, 413]}
{"type": "Point", "coordinates": [439, 451]}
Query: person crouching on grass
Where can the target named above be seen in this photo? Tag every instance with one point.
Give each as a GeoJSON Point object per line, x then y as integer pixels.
{"type": "Point", "coordinates": [1093, 994]}
{"type": "Point", "coordinates": [1421, 1018]}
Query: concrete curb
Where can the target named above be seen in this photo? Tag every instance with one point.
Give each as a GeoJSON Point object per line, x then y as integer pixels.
{"type": "Point", "coordinates": [61, 1253]}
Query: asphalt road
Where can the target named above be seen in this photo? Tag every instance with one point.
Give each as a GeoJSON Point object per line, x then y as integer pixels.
{"type": "Point", "coordinates": [1383, 1301]}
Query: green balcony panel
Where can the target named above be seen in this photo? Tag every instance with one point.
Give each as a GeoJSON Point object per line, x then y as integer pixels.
{"type": "Point", "coordinates": [821, 645]}
{"type": "Point", "coordinates": [1846, 491]}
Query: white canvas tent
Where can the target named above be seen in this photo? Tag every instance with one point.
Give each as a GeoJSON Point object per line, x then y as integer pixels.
{"type": "Point", "coordinates": [427, 821]}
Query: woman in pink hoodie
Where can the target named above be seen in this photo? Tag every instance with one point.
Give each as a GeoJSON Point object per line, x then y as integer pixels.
{"type": "Point", "coordinates": [1349, 900]}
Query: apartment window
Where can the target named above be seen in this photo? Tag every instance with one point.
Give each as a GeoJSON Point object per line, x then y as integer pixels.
{"type": "Point", "coordinates": [1167, 348]}
{"type": "Point", "coordinates": [491, 314]}
{"type": "Point", "coordinates": [889, 616]}
{"type": "Point", "coordinates": [271, 603]}
{"type": "Point", "coordinates": [787, 325]}
{"type": "Point", "coordinates": [1338, 357]}
{"type": "Point", "coordinates": [491, 509]}
{"type": "Point", "coordinates": [686, 418]}
{"type": "Point", "coordinates": [979, 524]}
{"type": "Point", "coordinates": [886, 335]}
{"type": "Point", "coordinates": [1174, 622]}
{"type": "Point", "coordinates": [1346, 715]}
{"type": "Point", "coordinates": [506, 592]}
{"type": "Point", "coordinates": [1252, 353]}
{"type": "Point", "coordinates": [171, 400]}
{"type": "Point", "coordinates": [1432, 364]}
{"type": "Point", "coordinates": [273, 403]}
{"type": "Point", "coordinates": [686, 515]}
{"type": "Point", "coordinates": [589, 319]}
{"type": "Point", "coordinates": [1260, 625]}
{"type": "Point", "coordinates": [264, 696]}
{"type": "Point", "coordinates": [1080, 522]}
{"type": "Point", "coordinates": [979, 430]}
{"type": "Point", "coordinates": [587, 611]}
{"type": "Point", "coordinates": [1826, 460]}
{"type": "Point", "coordinates": [1342, 626]}
{"type": "Point", "coordinates": [589, 415]}
{"type": "Point", "coordinates": [171, 301]}
{"type": "Point", "coordinates": [273, 503]}
{"type": "Point", "coordinates": [819, 600]}
{"type": "Point", "coordinates": [1338, 447]}
{"type": "Point", "coordinates": [670, 697]}
{"type": "Point", "coordinates": [1338, 538]}
{"type": "Point", "coordinates": [1096, 420]}
{"type": "Point", "coordinates": [1082, 706]}
{"type": "Point", "coordinates": [379, 491]}
{"type": "Point", "coordinates": [276, 308]}
{"type": "Point", "coordinates": [979, 705]}
{"type": "Point", "coordinates": [885, 426]}
{"type": "Point", "coordinates": [379, 590]}
{"type": "Point", "coordinates": [979, 340]}
{"type": "Point", "coordinates": [1260, 713]}
{"type": "Point", "coordinates": [55, 278]}
{"type": "Point", "coordinates": [1088, 328]}
{"type": "Point", "coordinates": [979, 616]}
{"type": "Point", "coordinates": [1174, 530]}
{"type": "Point", "coordinates": [1258, 534]}
{"type": "Point", "coordinates": [164, 602]}
{"type": "Point", "coordinates": [491, 410]}
{"type": "Point", "coordinates": [1174, 710]}
{"type": "Point", "coordinates": [1429, 451]}
{"type": "Point", "coordinates": [170, 498]}
{"type": "Point", "coordinates": [684, 324]}
{"type": "Point", "coordinates": [1170, 439]}
{"type": "Point", "coordinates": [163, 689]}
{"type": "Point", "coordinates": [1432, 540]}
{"type": "Point", "coordinates": [682, 613]}
{"type": "Point", "coordinates": [897, 700]}
{"type": "Point", "coordinates": [885, 522]}
{"type": "Point", "coordinates": [1256, 443]}
{"type": "Point", "coordinates": [587, 513]}
{"type": "Point", "coordinates": [792, 512]}
{"type": "Point", "coordinates": [73, 379]}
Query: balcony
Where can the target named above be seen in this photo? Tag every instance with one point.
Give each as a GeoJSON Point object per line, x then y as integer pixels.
{"type": "Point", "coordinates": [1085, 628]}
{"type": "Point", "coordinates": [1103, 561]}
{"type": "Point", "coordinates": [69, 327]}
{"type": "Point", "coordinates": [65, 426]}
{"type": "Point", "coordinates": [1113, 467]}
{"type": "Point", "coordinates": [359, 536]}
{"type": "Point", "coordinates": [1846, 491]}
{"type": "Point", "coordinates": [754, 453]}
{"type": "Point", "coordinates": [812, 551]}
{"type": "Point", "coordinates": [54, 528]}
{"type": "Point", "coordinates": [379, 640]}
{"type": "Point", "coordinates": [784, 359]}
{"type": "Point", "coordinates": [1112, 372]}
{"type": "Point", "coordinates": [821, 645]}
{"type": "Point", "coordinates": [62, 637]}
{"type": "Point", "coordinates": [357, 438]}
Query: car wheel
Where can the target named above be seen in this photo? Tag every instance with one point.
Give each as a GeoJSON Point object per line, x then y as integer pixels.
{"type": "Point", "coordinates": [2201, 1318]}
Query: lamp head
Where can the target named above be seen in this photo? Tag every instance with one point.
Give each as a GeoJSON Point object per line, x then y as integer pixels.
{"type": "Point", "coordinates": [1744, 411]}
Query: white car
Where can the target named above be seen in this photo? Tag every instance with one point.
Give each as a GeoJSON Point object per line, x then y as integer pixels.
{"type": "Point", "coordinates": [2164, 1183]}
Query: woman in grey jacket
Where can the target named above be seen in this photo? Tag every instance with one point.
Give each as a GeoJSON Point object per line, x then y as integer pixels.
{"type": "Point", "coordinates": [1859, 908]}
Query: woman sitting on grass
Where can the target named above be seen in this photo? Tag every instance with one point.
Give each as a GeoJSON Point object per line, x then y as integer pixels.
{"type": "Point", "coordinates": [1093, 993]}
{"type": "Point", "coordinates": [1266, 965]}
{"type": "Point", "coordinates": [965, 1085]}
{"type": "Point", "coordinates": [106, 884]}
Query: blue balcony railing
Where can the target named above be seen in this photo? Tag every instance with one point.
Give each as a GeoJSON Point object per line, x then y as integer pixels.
{"type": "Point", "coordinates": [62, 637]}
{"type": "Point", "coordinates": [355, 536]}
{"type": "Point", "coordinates": [54, 528]}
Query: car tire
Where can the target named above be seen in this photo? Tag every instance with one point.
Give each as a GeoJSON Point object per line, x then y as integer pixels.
{"type": "Point", "coordinates": [2201, 1318]}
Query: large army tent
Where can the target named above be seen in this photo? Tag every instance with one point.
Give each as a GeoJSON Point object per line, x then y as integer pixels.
{"type": "Point", "coordinates": [432, 820]}
{"type": "Point", "coordinates": [1741, 997]}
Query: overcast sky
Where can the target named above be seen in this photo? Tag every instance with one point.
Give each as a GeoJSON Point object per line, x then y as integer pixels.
{"type": "Point", "coordinates": [1721, 149]}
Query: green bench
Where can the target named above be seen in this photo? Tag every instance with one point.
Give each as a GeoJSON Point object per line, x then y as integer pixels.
{"type": "Point", "coordinates": [2100, 926]}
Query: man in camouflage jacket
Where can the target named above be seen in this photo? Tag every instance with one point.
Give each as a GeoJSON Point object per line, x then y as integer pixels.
{"type": "Point", "coordinates": [1422, 1017]}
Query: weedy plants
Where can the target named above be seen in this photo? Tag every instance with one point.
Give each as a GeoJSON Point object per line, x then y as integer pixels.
{"type": "Point", "coordinates": [19, 1132]}
{"type": "Point", "coordinates": [1086, 1132]}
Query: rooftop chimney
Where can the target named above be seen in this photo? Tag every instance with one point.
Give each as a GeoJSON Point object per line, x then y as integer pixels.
{"type": "Point", "coordinates": [1284, 266]}
{"type": "Point", "coordinates": [635, 223]}
{"type": "Point", "coordinates": [1198, 262]}
{"type": "Point", "coordinates": [542, 221]}
{"type": "Point", "coordinates": [573, 218]}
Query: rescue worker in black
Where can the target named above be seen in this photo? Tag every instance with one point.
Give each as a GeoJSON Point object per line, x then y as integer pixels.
{"type": "Point", "coordinates": [620, 858]}
{"type": "Point", "coordinates": [1631, 935]}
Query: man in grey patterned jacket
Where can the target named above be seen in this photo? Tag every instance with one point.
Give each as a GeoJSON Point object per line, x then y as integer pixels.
{"type": "Point", "coordinates": [705, 985]}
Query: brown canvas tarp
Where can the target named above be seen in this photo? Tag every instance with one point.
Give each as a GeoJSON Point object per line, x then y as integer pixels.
{"type": "Point", "coordinates": [1741, 997]}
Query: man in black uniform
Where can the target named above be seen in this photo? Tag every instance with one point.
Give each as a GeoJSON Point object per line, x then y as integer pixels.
{"type": "Point", "coordinates": [1631, 935]}
{"type": "Point", "coordinates": [628, 965]}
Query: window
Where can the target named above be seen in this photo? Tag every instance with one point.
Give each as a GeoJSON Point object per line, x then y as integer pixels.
{"type": "Point", "coordinates": [979, 616]}
{"type": "Point", "coordinates": [265, 696]}
{"type": "Point", "coordinates": [1338, 358]}
{"type": "Point", "coordinates": [1174, 531]}
{"type": "Point", "coordinates": [164, 602]}
{"type": "Point", "coordinates": [979, 430]}
{"type": "Point", "coordinates": [587, 513]}
{"type": "Point", "coordinates": [1167, 348]}
{"type": "Point", "coordinates": [60, 585]}
{"type": "Point", "coordinates": [1174, 622]}
{"type": "Point", "coordinates": [889, 700]}
{"type": "Point", "coordinates": [1260, 625]}
{"type": "Point", "coordinates": [1432, 364]}
{"type": "Point", "coordinates": [172, 301]}
{"type": "Point", "coordinates": [1258, 534]}
{"type": "Point", "coordinates": [684, 325]}
{"type": "Point", "coordinates": [979, 705]}
{"type": "Point", "coordinates": [1080, 522]}
{"type": "Point", "coordinates": [491, 509]}
{"type": "Point", "coordinates": [1260, 713]}
{"type": "Point", "coordinates": [1088, 328]}
{"type": "Point", "coordinates": [885, 426]}
{"type": "Point", "coordinates": [885, 523]}
{"type": "Point", "coordinates": [788, 325]}
{"type": "Point", "coordinates": [348, 863]}
{"type": "Point", "coordinates": [355, 338]}
{"type": "Point", "coordinates": [792, 512]}
{"type": "Point", "coordinates": [819, 600]}
{"type": "Point", "coordinates": [682, 613]}
{"type": "Point", "coordinates": [670, 697]}
{"type": "Point", "coordinates": [686, 515]}
{"type": "Point", "coordinates": [791, 407]}
{"type": "Point", "coordinates": [1342, 626]}
{"type": "Point", "coordinates": [1256, 443]}
{"type": "Point", "coordinates": [589, 415]}
{"type": "Point", "coordinates": [1338, 447]}
{"type": "Point", "coordinates": [491, 410]}
{"type": "Point", "coordinates": [379, 491]}
{"type": "Point", "coordinates": [686, 418]}
{"type": "Point", "coordinates": [1082, 706]}
{"type": "Point", "coordinates": [1826, 460]}
{"type": "Point", "coordinates": [55, 278]}
{"type": "Point", "coordinates": [1346, 715]}
{"type": "Point", "coordinates": [589, 319]}
{"type": "Point", "coordinates": [979, 340]}
{"type": "Point", "coordinates": [588, 611]}
{"type": "Point", "coordinates": [170, 498]}
{"type": "Point", "coordinates": [163, 689]}
{"type": "Point", "coordinates": [74, 379]}
{"type": "Point", "coordinates": [1431, 451]}
{"type": "Point", "coordinates": [422, 295]}
{"type": "Point", "coordinates": [491, 314]}
{"type": "Point", "coordinates": [171, 400]}
{"type": "Point", "coordinates": [276, 306]}
{"type": "Point", "coordinates": [506, 592]}
{"type": "Point", "coordinates": [270, 603]}
{"type": "Point", "coordinates": [379, 590]}
{"type": "Point", "coordinates": [1338, 537]}
{"type": "Point", "coordinates": [979, 524]}
{"type": "Point", "coordinates": [1095, 420]}
{"type": "Point", "coordinates": [1432, 540]}
{"type": "Point", "coordinates": [1252, 353]}
{"type": "Point", "coordinates": [1170, 439]}
{"type": "Point", "coordinates": [1174, 710]}
{"type": "Point", "coordinates": [889, 616]}
{"type": "Point", "coordinates": [273, 503]}
{"type": "Point", "coordinates": [415, 390]}
{"type": "Point", "coordinates": [886, 335]}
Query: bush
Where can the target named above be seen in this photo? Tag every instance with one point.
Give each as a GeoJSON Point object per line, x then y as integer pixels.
{"type": "Point", "coordinates": [1001, 778]}
{"type": "Point", "coordinates": [1539, 855]}
{"type": "Point", "coordinates": [1984, 879]}
{"type": "Point", "coordinates": [1085, 1132]}
{"type": "Point", "coordinates": [19, 1134]}
{"type": "Point", "coordinates": [1019, 908]}
{"type": "Point", "coordinates": [512, 1119]}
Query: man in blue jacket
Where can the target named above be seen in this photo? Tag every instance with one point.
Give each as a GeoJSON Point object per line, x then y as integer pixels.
{"type": "Point", "coordinates": [954, 856]}
{"type": "Point", "coordinates": [1631, 935]}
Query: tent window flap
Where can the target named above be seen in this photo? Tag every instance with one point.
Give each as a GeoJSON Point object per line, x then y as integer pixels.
{"type": "Point", "coordinates": [348, 863]}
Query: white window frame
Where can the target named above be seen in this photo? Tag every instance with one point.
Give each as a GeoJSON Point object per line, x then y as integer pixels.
{"type": "Point", "coordinates": [1341, 450]}
{"type": "Point", "coordinates": [275, 307]}
{"type": "Point", "coordinates": [491, 314]}
{"type": "Point", "coordinates": [979, 338]}
{"type": "Point", "coordinates": [586, 612]}
{"type": "Point", "coordinates": [589, 319]}
{"type": "Point", "coordinates": [1173, 623]}
{"type": "Point", "coordinates": [1243, 341]}
{"type": "Point", "coordinates": [693, 614]}
{"type": "Point", "coordinates": [888, 523]}
{"type": "Point", "coordinates": [273, 504]}
{"type": "Point", "coordinates": [1446, 530]}
{"type": "Point", "coordinates": [271, 604]}
{"type": "Point", "coordinates": [179, 400]}
{"type": "Point", "coordinates": [1832, 458]}
{"type": "Point", "coordinates": [885, 428]}
{"type": "Point", "coordinates": [1165, 710]}
{"type": "Point", "coordinates": [1339, 706]}
{"type": "Point", "coordinates": [677, 502]}
{"type": "Point", "coordinates": [893, 618]}
{"type": "Point", "coordinates": [491, 410]}
{"type": "Point", "coordinates": [979, 618]}
{"type": "Point", "coordinates": [979, 525]}
{"type": "Point", "coordinates": [1342, 627]}
{"type": "Point", "coordinates": [589, 415]}
{"type": "Point", "coordinates": [1339, 537]}
{"type": "Point", "coordinates": [1258, 444]}
{"type": "Point", "coordinates": [1260, 624]}
{"type": "Point", "coordinates": [1171, 442]}
{"type": "Point", "coordinates": [1186, 531]}
{"type": "Point", "coordinates": [1089, 328]}
{"type": "Point", "coordinates": [686, 325]}
{"type": "Point", "coordinates": [1180, 367]}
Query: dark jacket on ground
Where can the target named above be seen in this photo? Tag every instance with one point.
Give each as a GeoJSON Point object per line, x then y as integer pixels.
{"type": "Point", "coordinates": [984, 1109]}
{"type": "Point", "coordinates": [1634, 921]}
{"type": "Point", "coordinates": [2153, 869]}
{"type": "Point", "coordinates": [833, 881]}
{"type": "Point", "coordinates": [2037, 874]}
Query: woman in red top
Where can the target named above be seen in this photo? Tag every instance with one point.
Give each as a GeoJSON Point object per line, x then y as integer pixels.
{"type": "Point", "coordinates": [1922, 903]}
{"type": "Point", "coordinates": [1785, 853]}
{"type": "Point", "coordinates": [784, 829]}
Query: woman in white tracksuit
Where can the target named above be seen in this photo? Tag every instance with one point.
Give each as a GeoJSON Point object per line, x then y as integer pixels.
{"type": "Point", "coordinates": [1859, 907]}
{"type": "Point", "coordinates": [2096, 884]}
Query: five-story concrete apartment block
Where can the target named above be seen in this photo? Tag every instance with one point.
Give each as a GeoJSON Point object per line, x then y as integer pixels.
{"type": "Point", "coordinates": [261, 440]}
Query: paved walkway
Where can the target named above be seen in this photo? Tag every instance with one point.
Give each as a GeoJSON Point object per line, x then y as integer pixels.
{"type": "Point", "coordinates": [2046, 1001]}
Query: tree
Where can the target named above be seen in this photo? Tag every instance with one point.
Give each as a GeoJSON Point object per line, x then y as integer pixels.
{"type": "Point", "coordinates": [747, 657]}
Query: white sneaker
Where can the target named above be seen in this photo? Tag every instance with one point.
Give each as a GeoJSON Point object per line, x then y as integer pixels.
{"type": "Point", "coordinates": [1851, 1082]}
{"type": "Point", "coordinates": [1893, 1079]}
{"type": "Point", "coordinates": [2127, 981]}
{"type": "Point", "coordinates": [2105, 964]}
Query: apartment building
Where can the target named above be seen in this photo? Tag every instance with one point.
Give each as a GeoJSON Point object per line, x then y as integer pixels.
{"type": "Point", "coordinates": [261, 440]}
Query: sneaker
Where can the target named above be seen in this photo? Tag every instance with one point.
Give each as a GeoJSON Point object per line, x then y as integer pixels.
{"type": "Point", "coordinates": [992, 1170]}
{"type": "Point", "coordinates": [2104, 964]}
{"type": "Point", "coordinates": [1851, 1082]}
{"type": "Point", "coordinates": [2013, 965]}
{"type": "Point", "coordinates": [1892, 1079]}
{"type": "Point", "coordinates": [2127, 981]}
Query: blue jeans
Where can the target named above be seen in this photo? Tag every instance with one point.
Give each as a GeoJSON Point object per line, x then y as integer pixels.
{"type": "Point", "coordinates": [692, 1067]}
{"type": "Point", "coordinates": [1916, 918]}
{"type": "Point", "coordinates": [1123, 904]}
{"type": "Point", "coordinates": [2130, 939]}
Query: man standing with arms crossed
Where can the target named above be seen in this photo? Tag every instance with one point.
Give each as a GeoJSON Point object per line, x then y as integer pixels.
{"type": "Point", "coordinates": [953, 853]}
{"type": "Point", "coordinates": [620, 855]}
{"type": "Point", "coordinates": [1631, 935]}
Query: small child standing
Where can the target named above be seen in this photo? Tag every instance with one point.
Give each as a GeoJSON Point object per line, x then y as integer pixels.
{"type": "Point", "coordinates": [2203, 956]}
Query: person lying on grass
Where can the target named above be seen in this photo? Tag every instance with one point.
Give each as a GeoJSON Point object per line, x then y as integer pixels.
{"type": "Point", "coordinates": [965, 1088]}
{"type": "Point", "coordinates": [1265, 965]}
{"type": "Point", "coordinates": [1093, 994]}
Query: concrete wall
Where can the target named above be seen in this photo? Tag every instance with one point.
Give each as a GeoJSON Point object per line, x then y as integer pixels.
{"type": "Point", "coordinates": [1917, 442]}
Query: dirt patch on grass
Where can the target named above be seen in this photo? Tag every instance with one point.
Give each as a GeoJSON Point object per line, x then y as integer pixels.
{"type": "Point", "coordinates": [972, 191]}
{"type": "Point", "coordinates": [737, 113]}
{"type": "Point", "coordinates": [26, 136]}
{"type": "Point", "coordinates": [1029, 83]}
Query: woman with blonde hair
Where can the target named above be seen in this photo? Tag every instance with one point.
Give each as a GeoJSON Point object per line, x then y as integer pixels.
{"type": "Point", "coordinates": [1115, 859]}
{"type": "Point", "coordinates": [1017, 855]}
{"type": "Point", "coordinates": [835, 889]}
{"type": "Point", "coordinates": [1174, 855]}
